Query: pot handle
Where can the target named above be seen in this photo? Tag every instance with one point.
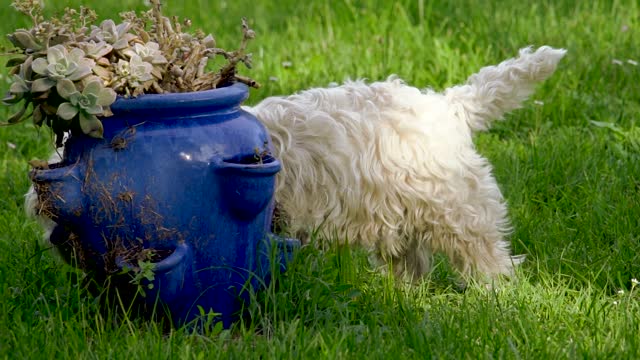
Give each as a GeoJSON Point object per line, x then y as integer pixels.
{"type": "Point", "coordinates": [173, 279]}
{"type": "Point", "coordinates": [62, 187]}
{"type": "Point", "coordinates": [247, 188]}
{"type": "Point", "coordinates": [247, 166]}
{"type": "Point", "coordinates": [177, 258]}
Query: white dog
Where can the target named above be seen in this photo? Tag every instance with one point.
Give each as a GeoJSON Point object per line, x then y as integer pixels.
{"type": "Point", "coordinates": [394, 169]}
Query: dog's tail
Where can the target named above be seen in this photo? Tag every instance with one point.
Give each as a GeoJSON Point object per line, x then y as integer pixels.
{"type": "Point", "coordinates": [496, 90]}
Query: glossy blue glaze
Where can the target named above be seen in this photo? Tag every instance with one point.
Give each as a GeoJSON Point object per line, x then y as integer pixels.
{"type": "Point", "coordinates": [187, 175]}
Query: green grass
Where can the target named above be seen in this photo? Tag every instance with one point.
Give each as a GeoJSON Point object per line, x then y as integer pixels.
{"type": "Point", "coordinates": [573, 190]}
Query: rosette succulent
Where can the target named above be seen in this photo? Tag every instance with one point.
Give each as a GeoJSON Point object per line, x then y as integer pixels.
{"type": "Point", "coordinates": [96, 50]}
{"type": "Point", "coordinates": [93, 101]}
{"type": "Point", "coordinates": [21, 85]}
{"type": "Point", "coordinates": [20, 90]}
{"type": "Point", "coordinates": [135, 71]}
{"type": "Point", "coordinates": [149, 52]}
{"type": "Point", "coordinates": [118, 36]}
{"type": "Point", "coordinates": [65, 71]}
{"type": "Point", "coordinates": [60, 64]}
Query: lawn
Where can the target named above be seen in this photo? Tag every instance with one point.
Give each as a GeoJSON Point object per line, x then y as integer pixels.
{"type": "Point", "coordinates": [568, 164]}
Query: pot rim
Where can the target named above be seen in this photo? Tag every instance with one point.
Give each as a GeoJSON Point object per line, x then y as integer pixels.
{"type": "Point", "coordinates": [226, 97]}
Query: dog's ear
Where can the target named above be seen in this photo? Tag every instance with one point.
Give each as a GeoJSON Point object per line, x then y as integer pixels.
{"type": "Point", "coordinates": [496, 90]}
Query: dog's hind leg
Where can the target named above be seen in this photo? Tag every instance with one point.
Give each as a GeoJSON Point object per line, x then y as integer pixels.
{"type": "Point", "coordinates": [414, 263]}
{"type": "Point", "coordinates": [478, 247]}
{"type": "Point", "coordinates": [473, 228]}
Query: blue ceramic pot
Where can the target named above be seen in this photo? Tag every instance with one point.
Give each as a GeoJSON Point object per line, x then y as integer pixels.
{"type": "Point", "coordinates": [185, 181]}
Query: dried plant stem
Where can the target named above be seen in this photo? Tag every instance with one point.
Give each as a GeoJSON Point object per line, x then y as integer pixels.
{"type": "Point", "coordinates": [247, 81]}
{"type": "Point", "coordinates": [228, 72]}
{"type": "Point", "coordinates": [156, 9]}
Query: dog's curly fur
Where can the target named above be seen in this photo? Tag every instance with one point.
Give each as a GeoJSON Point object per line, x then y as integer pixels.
{"type": "Point", "coordinates": [394, 169]}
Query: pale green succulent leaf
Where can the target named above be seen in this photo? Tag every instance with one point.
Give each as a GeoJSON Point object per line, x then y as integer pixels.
{"type": "Point", "coordinates": [120, 44]}
{"type": "Point", "coordinates": [39, 66]}
{"type": "Point", "coordinates": [91, 125]}
{"type": "Point", "coordinates": [76, 55]}
{"type": "Point", "coordinates": [106, 97]}
{"type": "Point", "coordinates": [94, 110]}
{"type": "Point", "coordinates": [17, 88]}
{"type": "Point", "coordinates": [66, 88]}
{"type": "Point", "coordinates": [19, 85]}
{"type": "Point", "coordinates": [80, 72]}
{"type": "Point", "coordinates": [123, 28]}
{"type": "Point", "coordinates": [97, 50]}
{"type": "Point", "coordinates": [67, 111]}
{"type": "Point", "coordinates": [56, 54]}
{"type": "Point", "coordinates": [92, 87]}
{"type": "Point", "coordinates": [42, 85]}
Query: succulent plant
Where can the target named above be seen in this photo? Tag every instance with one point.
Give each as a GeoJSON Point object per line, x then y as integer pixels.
{"type": "Point", "coordinates": [149, 52]}
{"type": "Point", "coordinates": [89, 103]}
{"type": "Point", "coordinates": [96, 50]}
{"type": "Point", "coordinates": [135, 71]}
{"type": "Point", "coordinates": [69, 71]}
{"type": "Point", "coordinates": [60, 64]}
{"type": "Point", "coordinates": [19, 90]}
{"type": "Point", "coordinates": [20, 87]}
{"type": "Point", "coordinates": [108, 32]}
